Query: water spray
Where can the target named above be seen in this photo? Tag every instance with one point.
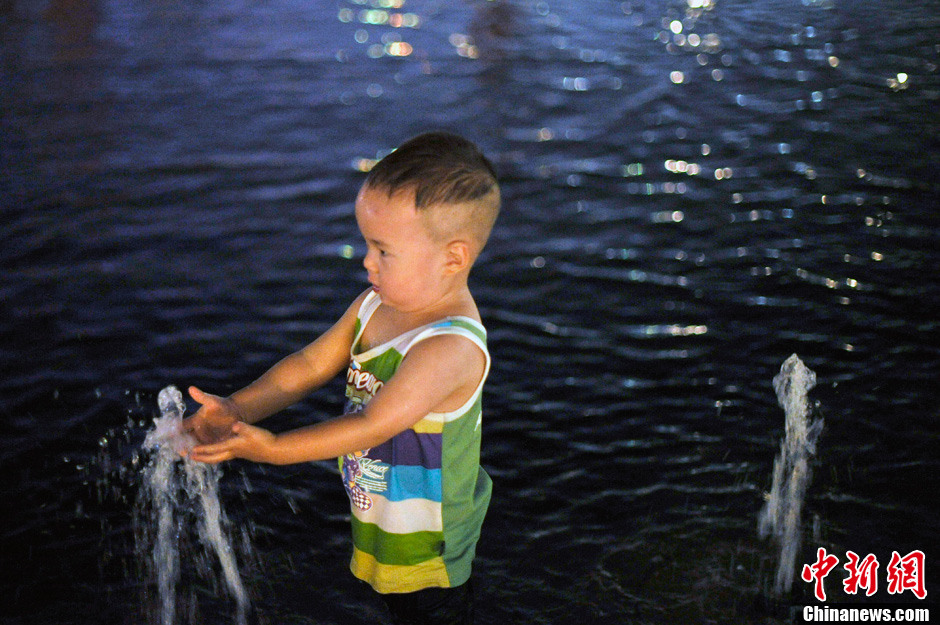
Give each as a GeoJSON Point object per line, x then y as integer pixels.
{"type": "Point", "coordinates": [174, 489]}
{"type": "Point", "coordinates": [781, 515]}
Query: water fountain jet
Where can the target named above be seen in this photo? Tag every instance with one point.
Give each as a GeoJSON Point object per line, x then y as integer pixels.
{"type": "Point", "coordinates": [175, 489]}
{"type": "Point", "coordinates": [781, 514]}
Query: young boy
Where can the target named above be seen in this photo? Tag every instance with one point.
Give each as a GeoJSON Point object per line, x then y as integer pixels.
{"type": "Point", "coordinates": [415, 357]}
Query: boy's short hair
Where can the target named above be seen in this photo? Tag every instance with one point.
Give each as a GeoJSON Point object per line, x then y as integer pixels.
{"type": "Point", "coordinates": [443, 169]}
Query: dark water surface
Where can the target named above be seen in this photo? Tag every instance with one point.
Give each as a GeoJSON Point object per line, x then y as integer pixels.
{"type": "Point", "coordinates": [693, 191]}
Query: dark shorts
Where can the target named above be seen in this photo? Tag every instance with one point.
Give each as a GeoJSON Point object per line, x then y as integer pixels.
{"type": "Point", "coordinates": [432, 606]}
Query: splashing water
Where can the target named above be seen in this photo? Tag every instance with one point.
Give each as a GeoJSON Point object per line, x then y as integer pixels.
{"type": "Point", "coordinates": [782, 513]}
{"type": "Point", "coordinates": [174, 490]}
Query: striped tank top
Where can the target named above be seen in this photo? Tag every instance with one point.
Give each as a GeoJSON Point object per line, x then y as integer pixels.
{"type": "Point", "coordinates": [418, 500]}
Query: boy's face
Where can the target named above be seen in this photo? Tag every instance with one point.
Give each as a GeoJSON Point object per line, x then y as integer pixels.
{"type": "Point", "coordinates": [406, 266]}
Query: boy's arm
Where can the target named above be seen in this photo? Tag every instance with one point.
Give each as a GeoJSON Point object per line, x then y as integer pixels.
{"type": "Point", "coordinates": [284, 384]}
{"type": "Point", "coordinates": [438, 372]}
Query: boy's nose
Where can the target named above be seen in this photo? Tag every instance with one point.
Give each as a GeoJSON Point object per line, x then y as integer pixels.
{"type": "Point", "coordinates": [369, 262]}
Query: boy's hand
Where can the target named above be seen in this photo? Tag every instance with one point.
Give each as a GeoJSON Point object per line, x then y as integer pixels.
{"type": "Point", "coordinates": [247, 442]}
{"type": "Point", "coordinates": [213, 422]}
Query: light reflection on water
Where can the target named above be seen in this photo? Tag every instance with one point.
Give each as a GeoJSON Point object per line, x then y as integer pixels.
{"type": "Point", "coordinates": [694, 190]}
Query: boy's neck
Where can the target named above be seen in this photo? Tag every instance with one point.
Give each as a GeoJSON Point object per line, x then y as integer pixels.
{"type": "Point", "coordinates": [388, 323]}
{"type": "Point", "coordinates": [456, 301]}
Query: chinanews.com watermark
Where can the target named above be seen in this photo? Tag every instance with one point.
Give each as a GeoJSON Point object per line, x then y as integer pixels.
{"type": "Point", "coordinates": [882, 614]}
{"type": "Point", "coordinates": [903, 577]}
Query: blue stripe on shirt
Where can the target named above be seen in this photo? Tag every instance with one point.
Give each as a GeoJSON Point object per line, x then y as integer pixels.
{"type": "Point", "coordinates": [404, 482]}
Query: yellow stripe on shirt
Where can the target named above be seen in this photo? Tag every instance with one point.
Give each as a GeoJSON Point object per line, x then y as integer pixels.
{"type": "Point", "coordinates": [429, 425]}
{"type": "Point", "coordinates": [387, 578]}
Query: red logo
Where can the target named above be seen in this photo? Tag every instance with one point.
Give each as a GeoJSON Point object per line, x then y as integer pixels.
{"type": "Point", "coordinates": [903, 573]}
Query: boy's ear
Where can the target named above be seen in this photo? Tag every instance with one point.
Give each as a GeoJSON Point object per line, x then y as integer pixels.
{"type": "Point", "coordinates": [457, 257]}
